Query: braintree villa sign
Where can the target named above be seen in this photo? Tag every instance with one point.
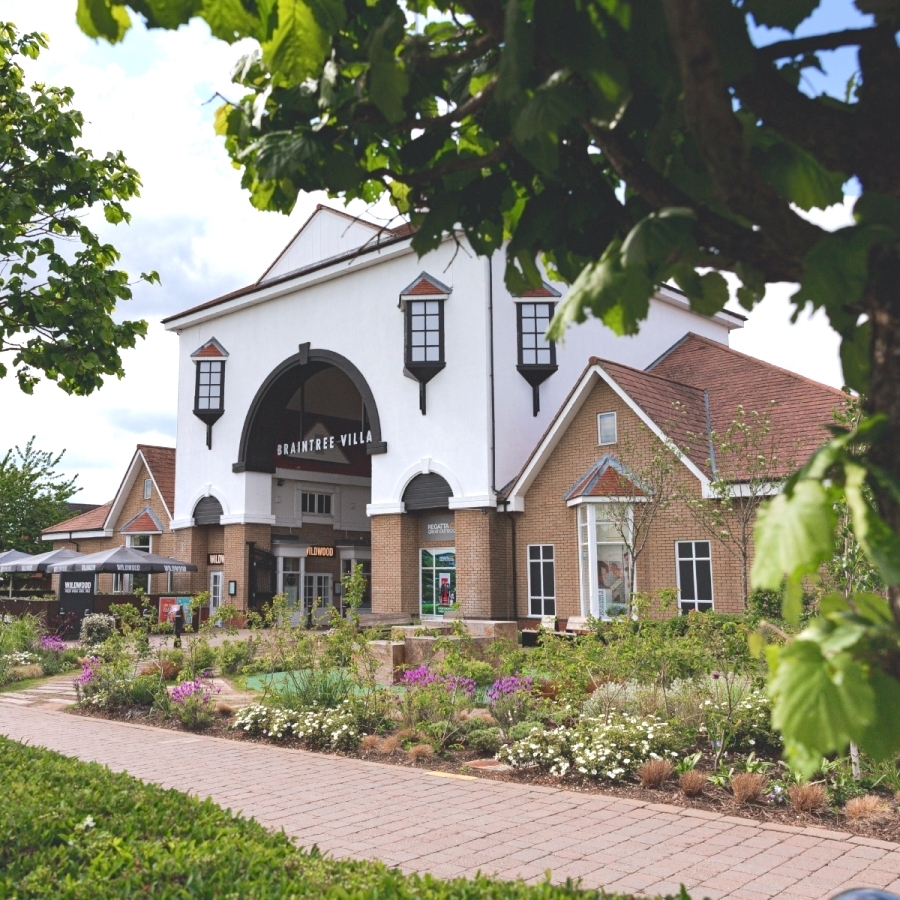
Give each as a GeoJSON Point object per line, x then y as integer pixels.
{"type": "Point", "coordinates": [327, 442]}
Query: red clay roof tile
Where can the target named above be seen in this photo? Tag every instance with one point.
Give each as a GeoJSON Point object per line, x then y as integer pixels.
{"type": "Point", "coordinates": [89, 521]}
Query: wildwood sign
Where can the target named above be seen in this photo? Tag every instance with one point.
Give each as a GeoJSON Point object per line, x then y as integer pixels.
{"type": "Point", "coordinates": [320, 551]}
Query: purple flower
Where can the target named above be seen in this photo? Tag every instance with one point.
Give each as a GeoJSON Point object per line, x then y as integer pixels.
{"type": "Point", "coordinates": [89, 670]}
{"type": "Point", "coordinates": [510, 684]}
{"type": "Point", "coordinates": [418, 677]}
{"type": "Point", "coordinates": [423, 676]}
{"type": "Point", "coordinates": [183, 693]}
{"type": "Point", "coordinates": [52, 644]}
{"type": "Point", "coordinates": [717, 675]}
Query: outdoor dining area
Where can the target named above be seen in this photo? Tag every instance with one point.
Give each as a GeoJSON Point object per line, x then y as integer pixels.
{"type": "Point", "coordinates": [76, 593]}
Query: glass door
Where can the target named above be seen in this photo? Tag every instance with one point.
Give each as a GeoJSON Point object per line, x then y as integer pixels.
{"type": "Point", "coordinates": [438, 580]}
{"type": "Point", "coordinates": [216, 580]}
{"type": "Point", "coordinates": [317, 595]}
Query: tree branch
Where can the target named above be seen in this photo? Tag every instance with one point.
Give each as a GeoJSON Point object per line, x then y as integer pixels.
{"type": "Point", "coordinates": [798, 46]}
{"type": "Point", "coordinates": [714, 231]}
{"type": "Point", "coordinates": [710, 117]}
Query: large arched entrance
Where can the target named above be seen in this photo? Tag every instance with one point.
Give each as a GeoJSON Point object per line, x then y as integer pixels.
{"type": "Point", "coordinates": [314, 426]}
{"type": "Point", "coordinates": [309, 384]}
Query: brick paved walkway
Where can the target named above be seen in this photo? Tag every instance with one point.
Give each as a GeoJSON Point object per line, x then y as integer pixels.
{"type": "Point", "coordinates": [427, 821]}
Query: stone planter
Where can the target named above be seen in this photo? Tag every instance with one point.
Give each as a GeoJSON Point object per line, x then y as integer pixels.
{"type": "Point", "coordinates": [390, 657]}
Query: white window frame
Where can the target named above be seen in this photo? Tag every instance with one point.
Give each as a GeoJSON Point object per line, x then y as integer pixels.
{"type": "Point", "coordinates": [587, 581]}
{"type": "Point", "coordinates": [314, 516]}
{"type": "Point", "coordinates": [615, 440]}
{"type": "Point", "coordinates": [695, 559]}
{"type": "Point", "coordinates": [148, 488]}
{"type": "Point", "coordinates": [216, 588]}
{"type": "Point", "coordinates": [122, 582]}
{"type": "Point", "coordinates": [542, 597]}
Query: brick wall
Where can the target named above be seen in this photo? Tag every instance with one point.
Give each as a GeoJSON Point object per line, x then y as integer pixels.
{"type": "Point", "coordinates": [547, 519]}
{"type": "Point", "coordinates": [483, 563]}
{"type": "Point", "coordinates": [237, 558]}
{"type": "Point", "coordinates": [395, 565]}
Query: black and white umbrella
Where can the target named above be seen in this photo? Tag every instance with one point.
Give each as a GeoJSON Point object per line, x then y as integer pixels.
{"type": "Point", "coordinates": [10, 556]}
{"type": "Point", "coordinates": [123, 559]}
{"type": "Point", "coordinates": [39, 563]}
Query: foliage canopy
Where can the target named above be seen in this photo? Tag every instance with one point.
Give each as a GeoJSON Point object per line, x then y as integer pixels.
{"type": "Point", "coordinates": [33, 497]}
{"type": "Point", "coordinates": [58, 283]}
{"type": "Point", "coordinates": [622, 145]}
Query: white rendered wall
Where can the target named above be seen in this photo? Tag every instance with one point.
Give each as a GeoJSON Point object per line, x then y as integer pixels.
{"type": "Point", "coordinates": [356, 316]}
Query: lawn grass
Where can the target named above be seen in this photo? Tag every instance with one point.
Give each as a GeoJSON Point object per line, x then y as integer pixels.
{"type": "Point", "coordinates": [76, 831]}
{"type": "Point", "coordinates": [26, 683]}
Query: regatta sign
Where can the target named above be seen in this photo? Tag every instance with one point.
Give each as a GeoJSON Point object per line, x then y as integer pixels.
{"type": "Point", "coordinates": [327, 442]}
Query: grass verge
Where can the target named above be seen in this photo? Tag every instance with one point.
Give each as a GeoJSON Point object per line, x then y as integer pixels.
{"type": "Point", "coordinates": [77, 831]}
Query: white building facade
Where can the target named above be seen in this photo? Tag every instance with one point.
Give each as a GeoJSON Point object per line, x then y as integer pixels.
{"type": "Point", "coordinates": [361, 405]}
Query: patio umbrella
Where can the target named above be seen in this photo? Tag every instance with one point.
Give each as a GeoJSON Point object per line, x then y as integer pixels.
{"type": "Point", "coordinates": [123, 559]}
{"type": "Point", "coordinates": [8, 556]}
{"type": "Point", "coordinates": [39, 563]}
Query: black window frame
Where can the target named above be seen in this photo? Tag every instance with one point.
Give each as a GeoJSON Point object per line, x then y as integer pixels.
{"type": "Point", "coordinates": [414, 364]}
{"type": "Point", "coordinates": [208, 411]}
{"type": "Point", "coordinates": [520, 333]}
{"type": "Point", "coordinates": [541, 561]}
{"type": "Point", "coordinates": [685, 563]}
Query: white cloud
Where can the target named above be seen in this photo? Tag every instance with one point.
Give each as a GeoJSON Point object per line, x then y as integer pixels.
{"type": "Point", "coordinates": [195, 225]}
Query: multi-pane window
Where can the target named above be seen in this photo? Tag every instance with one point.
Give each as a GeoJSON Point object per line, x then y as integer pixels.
{"type": "Point", "coordinates": [694, 575]}
{"type": "Point", "coordinates": [316, 504]}
{"type": "Point", "coordinates": [534, 348]}
{"type": "Point", "coordinates": [541, 580]}
{"type": "Point", "coordinates": [605, 563]}
{"type": "Point", "coordinates": [425, 331]}
{"type": "Point", "coordinates": [148, 488]}
{"type": "Point", "coordinates": [210, 377]}
{"type": "Point", "coordinates": [606, 428]}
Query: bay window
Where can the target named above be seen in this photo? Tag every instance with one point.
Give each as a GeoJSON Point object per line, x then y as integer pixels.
{"type": "Point", "coordinates": [604, 561]}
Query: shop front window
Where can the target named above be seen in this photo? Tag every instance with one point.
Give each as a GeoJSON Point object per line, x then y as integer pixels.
{"type": "Point", "coordinates": [290, 580]}
{"type": "Point", "coordinates": [438, 580]}
{"type": "Point", "coordinates": [604, 563]}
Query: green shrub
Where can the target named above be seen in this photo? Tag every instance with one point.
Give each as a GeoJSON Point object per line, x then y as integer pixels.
{"type": "Point", "coordinates": [522, 730]}
{"type": "Point", "coordinates": [234, 656]}
{"type": "Point", "coordinates": [485, 740]}
{"type": "Point", "coordinates": [96, 628]}
{"type": "Point", "coordinates": [200, 658]}
{"type": "Point", "coordinates": [146, 690]}
{"type": "Point", "coordinates": [72, 830]}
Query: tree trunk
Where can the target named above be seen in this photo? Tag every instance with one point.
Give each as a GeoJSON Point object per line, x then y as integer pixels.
{"type": "Point", "coordinates": [882, 300]}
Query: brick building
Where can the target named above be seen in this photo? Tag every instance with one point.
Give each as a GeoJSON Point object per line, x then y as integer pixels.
{"type": "Point", "coordinates": [360, 404]}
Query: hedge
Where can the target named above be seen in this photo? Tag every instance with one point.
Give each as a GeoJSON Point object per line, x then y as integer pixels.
{"type": "Point", "coordinates": [77, 831]}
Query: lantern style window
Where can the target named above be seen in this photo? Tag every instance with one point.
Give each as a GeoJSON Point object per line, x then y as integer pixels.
{"type": "Point", "coordinates": [423, 305]}
{"type": "Point", "coordinates": [536, 354]}
{"type": "Point", "coordinates": [209, 385]}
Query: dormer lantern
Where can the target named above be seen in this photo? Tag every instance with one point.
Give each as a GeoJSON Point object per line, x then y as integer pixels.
{"type": "Point", "coordinates": [209, 386]}
{"type": "Point", "coordinates": [537, 355]}
{"type": "Point", "coordinates": [422, 303]}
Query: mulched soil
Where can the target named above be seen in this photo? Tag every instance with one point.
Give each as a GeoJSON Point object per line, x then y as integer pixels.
{"type": "Point", "coordinates": [714, 798]}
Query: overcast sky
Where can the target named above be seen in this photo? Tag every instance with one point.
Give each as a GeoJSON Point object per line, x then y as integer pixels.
{"type": "Point", "coordinates": [195, 226]}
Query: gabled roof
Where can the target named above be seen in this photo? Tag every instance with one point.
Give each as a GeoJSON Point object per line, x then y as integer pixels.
{"type": "Point", "coordinates": [93, 520]}
{"type": "Point", "coordinates": [802, 407]}
{"type": "Point", "coordinates": [423, 285]}
{"type": "Point", "coordinates": [160, 464]}
{"type": "Point", "coordinates": [145, 522]}
{"type": "Point", "coordinates": [605, 478]}
{"type": "Point", "coordinates": [545, 290]}
{"type": "Point", "coordinates": [692, 389]}
{"type": "Point", "coordinates": [212, 349]}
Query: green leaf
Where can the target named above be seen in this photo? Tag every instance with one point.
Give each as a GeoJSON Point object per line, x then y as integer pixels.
{"type": "Point", "coordinates": [708, 293]}
{"type": "Point", "coordinates": [874, 608]}
{"type": "Point", "coordinates": [875, 536]}
{"type": "Point", "coordinates": [388, 80]}
{"type": "Point", "coordinates": [547, 110]}
{"type": "Point", "coordinates": [298, 46]}
{"type": "Point", "coordinates": [820, 704]}
{"type": "Point", "coordinates": [780, 13]}
{"type": "Point", "coordinates": [855, 357]}
{"type": "Point", "coordinates": [881, 737]}
{"type": "Point", "coordinates": [835, 272]}
{"type": "Point", "coordinates": [794, 534]}
{"type": "Point", "coordinates": [618, 295]}
{"type": "Point", "coordinates": [99, 18]}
